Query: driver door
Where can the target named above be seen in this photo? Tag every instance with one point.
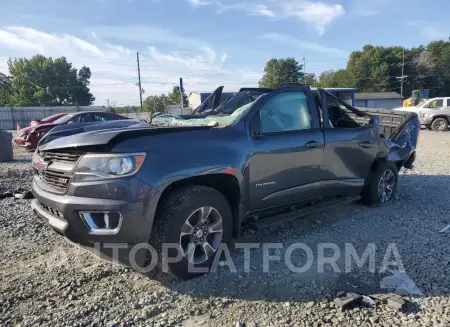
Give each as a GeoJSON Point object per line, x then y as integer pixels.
{"type": "Point", "coordinates": [287, 151]}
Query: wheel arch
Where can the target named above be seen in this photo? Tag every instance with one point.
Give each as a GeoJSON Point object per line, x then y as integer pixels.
{"type": "Point", "coordinates": [226, 184]}
{"type": "Point", "coordinates": [384, 160]}
{"type": "Point", "coordinates": [447, 118]}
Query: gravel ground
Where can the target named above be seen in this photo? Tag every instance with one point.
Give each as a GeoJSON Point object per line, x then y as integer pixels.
{"type": "Point", "coordinates": [45, 281]}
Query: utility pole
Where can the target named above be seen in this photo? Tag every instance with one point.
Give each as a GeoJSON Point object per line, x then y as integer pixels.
{"type": "Point", "coordinates": [182, 93]}
{"type": "Point", "coordinates": [139, 75]}
{"type": "Point", "coordinates": [304, 69]}
{"type": "Point", "coordinates": [402, 78]}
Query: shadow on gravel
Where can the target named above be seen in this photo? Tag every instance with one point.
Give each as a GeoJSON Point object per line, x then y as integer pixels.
{"type": "Point", "coordinates": [24, 161]}
{"type": "Point", "coordinates": [412, 222]}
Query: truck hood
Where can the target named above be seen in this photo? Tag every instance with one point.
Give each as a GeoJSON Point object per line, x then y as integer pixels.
{"type": "Point", "coordinates": [408, 109]}
{"type": "Point", "coordinates": [72, 129]}
{"type": "Point", "coordinates": [112, 136]}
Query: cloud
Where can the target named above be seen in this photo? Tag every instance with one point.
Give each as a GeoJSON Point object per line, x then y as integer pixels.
{"type": "Point", "coordinates": [263, 10]}
{"type": "Point", "coordinates": [315, 14]}
{"type": "Point", "coordinates": [370, 7]}
{"type": "Point", "coordinates": [113, 66]}
{"type": "Point", "coordinates": [147, 34]}
{"type": "Point", "coordinates": [197, 3]}
{"type": "Point", "coordinates": [223, 58]}
{"type": "Point", "coordinates": [30, 39]}
{"type": "Point", "coordinates": [10, 40]}
{"type": "Point", "coordinates": [432, 33]}
{"type": "Point", "coordinates": [304, 45]}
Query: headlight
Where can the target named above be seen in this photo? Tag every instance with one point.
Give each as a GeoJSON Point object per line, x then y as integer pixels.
{"type": "Point", "coordinates": [94, 167]}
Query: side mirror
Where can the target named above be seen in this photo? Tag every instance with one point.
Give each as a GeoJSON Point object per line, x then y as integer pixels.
{"type": "Point", "coordinates": [255, 127]}
{"type": "Point", "coordinates": [256, 134]}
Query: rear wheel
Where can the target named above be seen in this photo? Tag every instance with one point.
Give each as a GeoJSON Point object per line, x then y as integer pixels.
{"type": "Point", "coordinates": [195, 220]}
{"type": "Point", "coordinates": [382, 185]}
{"type": "Point", "coordinates": [439, 124]}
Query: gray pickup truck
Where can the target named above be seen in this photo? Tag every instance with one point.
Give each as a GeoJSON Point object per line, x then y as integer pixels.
{"type": "Point", "coordinates": [292, 151]}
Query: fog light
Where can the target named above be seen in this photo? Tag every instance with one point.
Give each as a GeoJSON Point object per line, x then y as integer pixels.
{"type": "Point", "coordinates": [102, 222]}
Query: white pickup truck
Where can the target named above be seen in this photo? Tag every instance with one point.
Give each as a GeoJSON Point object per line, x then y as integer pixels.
{"type": "Point", "coordinates": [434, 113]}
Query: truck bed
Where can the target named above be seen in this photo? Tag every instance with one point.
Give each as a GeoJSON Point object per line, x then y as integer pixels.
{"type": "Point", "coordinates": [390, 120]}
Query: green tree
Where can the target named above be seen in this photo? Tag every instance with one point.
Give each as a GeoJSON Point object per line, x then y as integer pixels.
{"type": "Point", "coordinates": [41, 81]}
{"type": "Point", "coordinates": [156, 103]}
{"type": "Point", "coordinates": [281, 71]}
{"type": "Point", "coordinates": [5, 90]}
{"type": "Point", "coordinates": [333, 78]}
{"type": "Point", "coordinates": [309, 79]}
{"type": "Point", "coordinates": [175, 96]}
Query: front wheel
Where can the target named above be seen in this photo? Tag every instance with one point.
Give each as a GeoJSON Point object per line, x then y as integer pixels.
{"type": "Point", "coordinates": [439, 124]}
{"type": "Point", "coordinates": [195, 221]}
{"type": "Point", "coordinates": [382, 185]}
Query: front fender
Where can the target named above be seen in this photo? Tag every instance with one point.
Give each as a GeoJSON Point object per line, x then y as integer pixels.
{"type": "Point", "coordinates": [162, 171]}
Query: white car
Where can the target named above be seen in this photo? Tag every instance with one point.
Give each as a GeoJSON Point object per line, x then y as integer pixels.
{"type": "Point", "coordinates": [434, 113]}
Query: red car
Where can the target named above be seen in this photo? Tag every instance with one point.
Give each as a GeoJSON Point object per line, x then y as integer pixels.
{"type": "Point", "coordinates": [29, 137]}
{"type": "Point", "coordinates": [47, 120]}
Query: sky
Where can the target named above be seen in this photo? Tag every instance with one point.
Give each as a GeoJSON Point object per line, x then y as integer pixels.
{"type": "Point", "coordinates": [207, 42]}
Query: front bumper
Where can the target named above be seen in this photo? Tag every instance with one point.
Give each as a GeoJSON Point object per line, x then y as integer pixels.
{"type": "Point", "coordinates": [62, 213]}
{"type": "Point", "coordinates": [425, 120]}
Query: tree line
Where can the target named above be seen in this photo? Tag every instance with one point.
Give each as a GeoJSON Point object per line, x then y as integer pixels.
{"type": "Point", "coordinates": [155, 103]}
{"type": "Point", "coordinates": [374, 69]}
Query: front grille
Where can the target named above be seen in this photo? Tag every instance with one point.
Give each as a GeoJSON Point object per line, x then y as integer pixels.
{"type": "Point", "coordinates": [60, 156]}
{"type": "Point", "coordinates": [54, 212]}
{"type": "Point", "coordinates": [52, 178]}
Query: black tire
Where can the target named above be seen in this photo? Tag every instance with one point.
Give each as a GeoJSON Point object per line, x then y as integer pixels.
{"type": "Point", "coordinates": [175, 211]}
{"type": "Point", "coordinates": [372, 195]}
{"type": "Point", "coordinates": [439, 125]}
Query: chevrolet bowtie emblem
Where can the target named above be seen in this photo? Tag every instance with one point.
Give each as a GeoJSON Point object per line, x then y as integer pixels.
{"type": "Point", "coordinates": [40, 164]}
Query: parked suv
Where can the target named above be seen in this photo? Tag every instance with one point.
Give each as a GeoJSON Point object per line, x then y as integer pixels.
{"type": "Point", "coordinates": [434, 113]}
{"type": "Point", "coordinates": [290, 152]}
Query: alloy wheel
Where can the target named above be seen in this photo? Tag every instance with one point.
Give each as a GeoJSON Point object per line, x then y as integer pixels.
{"type": "Point", "coordinates": [440, 125]}
{"type": "Point", "coordinates": [386, 186]}
{"type": "Point", "coordinates": [201, 235]}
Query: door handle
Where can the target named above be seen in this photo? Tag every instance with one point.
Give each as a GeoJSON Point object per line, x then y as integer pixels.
{"type": "Point", "coordinates": [367, 145]}
{"type": "Point", "coordinates": [311, 144]}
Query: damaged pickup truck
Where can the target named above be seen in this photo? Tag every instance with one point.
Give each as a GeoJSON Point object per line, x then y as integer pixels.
{"type": "Point", "coordinates": [293, 151]}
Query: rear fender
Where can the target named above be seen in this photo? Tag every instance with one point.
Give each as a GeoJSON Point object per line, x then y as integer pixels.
{"type": "Point", "coordinates": [402, 144]}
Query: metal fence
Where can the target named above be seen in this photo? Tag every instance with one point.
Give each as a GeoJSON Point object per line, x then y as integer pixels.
{"type": "Point", "coordinates": [9, 117]}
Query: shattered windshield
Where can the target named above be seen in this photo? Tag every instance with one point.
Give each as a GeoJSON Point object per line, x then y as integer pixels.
{"type": "Point", "coordinates": [236, 101]}
{"type": "Point", "coordinates": [212, 120]}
